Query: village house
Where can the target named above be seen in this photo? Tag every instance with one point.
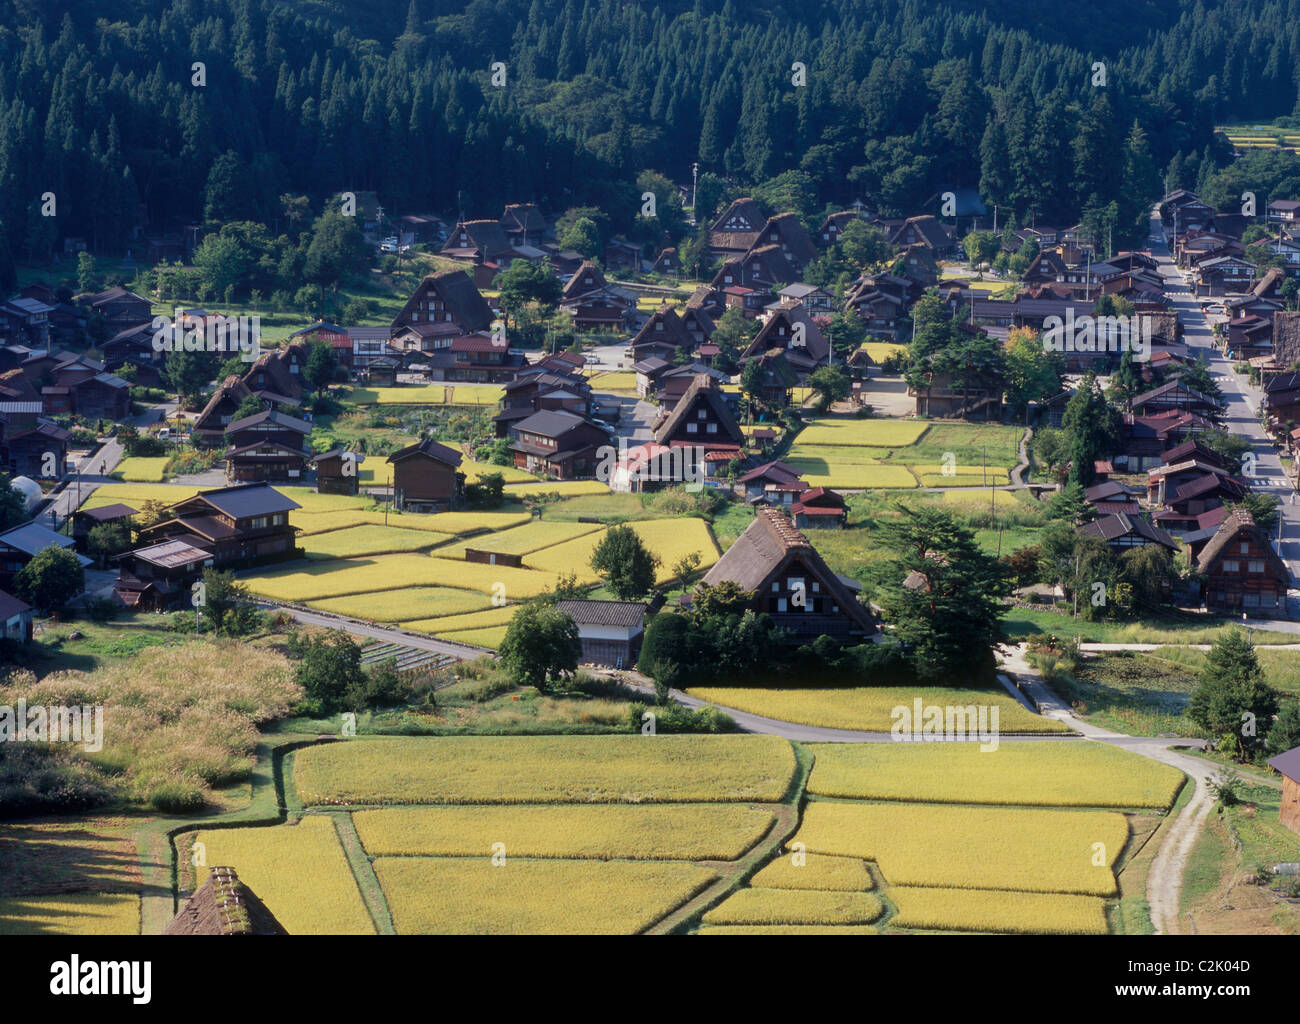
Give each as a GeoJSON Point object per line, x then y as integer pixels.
{"type": "Point", "coordinates": [443, 307]}
{"type": "Point", "coordinates": [701, 417]}
{"type": "Point", "coordinates": [118, 307]}
{"type": "Point", "coordinates": [522, 224]}
{"type": "Point", "coordinates": [268, 445]}
{"type": "Point", "coordinates": [610, 631]}
{"type": "Point", "coordinates": [787, 234]}
{"type": "Point", "coordinates": [819, 508]}
{"type": "Point", "coordinates": [1244, 574]}
{"type": "Point", "coordinates": [736, 229]}
{"type": "Point", "coordinates": [532, 392]}
{"type": "Point", "coordinates": [557, 445]}
{"type": "Point", "coordinates": [473, 358]}
{"type": "Point", "coordinates": [791, 331]}
{"type": "Point", "coordinates": [770, 477]}
{"type": "Point", "coordinates": [1287, 765]}
{"type": "Point", "coordinates": [926, 231]}
{"type": "Point", "coordinates": [160, 576]}
{"type": "Point", "coordinates": [1221, 275]}
{"type": "Point", "coordinates": [594, 302]}
{"type": "Point", "coordinates": [86, 519]}
{"type": "Point", "coordinates": [1123, 532]}
{"type": "Point", "coordinates": [240, 525]}
{"type": "Point", "coordinates": [663, 335]}
{"type": "Point", "coordinates": [20, 544]}
{"type": "Point", "coordinates": [477, 242]}
{"type": "Point", "coordinates": [790, 581]}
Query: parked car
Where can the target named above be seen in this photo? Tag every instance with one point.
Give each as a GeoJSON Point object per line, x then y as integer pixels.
{"type": "Point", "coordinates": [1214, 308]}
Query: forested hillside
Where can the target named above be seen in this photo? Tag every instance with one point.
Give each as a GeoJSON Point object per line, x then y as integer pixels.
{"type": "Point", "coordinates": [97, 103]}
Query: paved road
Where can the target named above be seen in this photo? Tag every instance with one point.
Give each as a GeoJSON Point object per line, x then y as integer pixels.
{"type": "Point", "coordinates": [1243, 400]}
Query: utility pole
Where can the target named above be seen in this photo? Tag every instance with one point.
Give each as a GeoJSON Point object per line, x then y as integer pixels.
{"type": "Point", "coordinates": [695, 170]}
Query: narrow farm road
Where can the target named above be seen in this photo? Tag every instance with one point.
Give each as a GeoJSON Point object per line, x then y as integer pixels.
{"type": "Point", "coordinates": [461, 652]}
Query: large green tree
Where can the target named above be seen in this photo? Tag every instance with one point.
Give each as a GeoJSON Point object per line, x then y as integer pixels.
{"type": "Point", "coordinates": [623, 561]}
{"type": "Point", "coordinates": [541, 646]}
{"type": "Point", "coordinates": [1094, 428]}
{"type": "Point", "coordinates": [1233, 700]}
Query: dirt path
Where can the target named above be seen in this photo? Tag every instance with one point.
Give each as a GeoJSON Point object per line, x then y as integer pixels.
{"type": "Point", "coordinates": [1165, 879]}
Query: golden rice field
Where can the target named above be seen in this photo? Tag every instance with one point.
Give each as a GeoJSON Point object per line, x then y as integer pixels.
{"type": "Point", "coordinates": [76, 914]}
{"type": "Point", "coordinates": [879, 351]}
{"type": "Point", "coordinates": [490, 637]}
{"type": "Point", "coordinates": [670, 539]}
{"type": "Point", "coordinates": [990, 910]}
{"type": "Point", "coordinates": [814, 871]}
{"type": "Point", "coordinates": [871, 433]}
{"type": "Point", "coordinates": [469, 620]}
{"type": "Point", "coordinates": [973, 847]}
{"type": "Point", "coordinates": [136, 494]}
{"type": "Point", "coordinates": [390, 572]}
{"type": "Point", "coordinates": [429, 394]}
{"type": "Point", "coordinates": [313, 501]}
{"type": "Point", "coordinates": [961, 480]}
{"type": "Point", "coordinates": [999, 499]}
{"type": "Point", "coordinates": [994, 474]}
{"type": "Point", "coordinates": [789, 929]}
{"type": "Point", "coordinates": [631, 769]}
{"type": "Point", "coordinates": [449, 523]}
{"type": "Point", "coordinates": [564, 488]}
{"type": "Point", "coordinates": [358, 541]}
{"type": "Point", "coordinates": [523, 897]}
{"type": "Point", "coordinates": [582, 831]}
{"type": "Point", "coordinates": [299, 872]}
{"type": "Point", "coordinates": [870, 708]}
{"type": "Point", "coordinates": [398, 605]}
{"type": "Point", "coordinates": [1078, 773]}
{"type": "Point", "coordinates": [613, 381]}
{"type": "Point", "coordinates": [141, 469]}
{"type": "Point", "coordinates": [793, 906]}
{"type": "Point", "coordinates": [523, 540]}
{"type": "Point", "coordinates": [822, 472]}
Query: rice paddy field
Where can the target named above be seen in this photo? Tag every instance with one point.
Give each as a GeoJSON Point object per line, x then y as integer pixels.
{"type": "Point", "coordinates": [141, 470]}
{"type": "Point", "coordinates": [986, 911]}
{"type": "Point", "coordinates": [870, 708]}
{"type": "Point", "coordinates": [136, 494]}
{"type": "Point", "coordinates": [74, 914]}
{"type": "Point", "coordinates": [564, 488]}
{"type": "Point", "coordinates": [429, 394]}
{"type": "Point", "coordinates": [860, 454]}
{"type": "Point", "coordinates": [550, 897]}
{"type": "Point", "coordinates": [407, 603]}
{"type": "Point", "coordinates": [299, 871]}
{"type": "Point", "coordinates": [443, 624]}
{"type": "Point", "coordinates": [670, 539]}
{"type": "Point", "coordinates": [879, 351]}
{"type": "Point", "coordinates": [796, 907]}
{"type": "Point", "coordinates": [815, 871]}
{"type": "Point", "coordinates": [619, 383]}
{"type": "Point", "coordinates": [1078, 773]}
{"type": "Point", "coordinates": [566, 831]}
{"type": "Point", "coordinates": [523, 540]}
{"type": "Point", "coordinates": [974, 847]}
{"type": "Point", "coordinates": [357, 541]}
{"type": "Point", "coordinates": [546, 769]}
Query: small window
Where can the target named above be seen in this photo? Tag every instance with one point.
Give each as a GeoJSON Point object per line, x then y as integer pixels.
{"type": "Point", "coordinates": [1231, 565]}
{"type": "Point", "coordinates": [1256, 565]}
{"type": "Point", "coordinates": [692, 428]}
{"type": "Point", "coordinates": [780, 604]}
{"type": "Point", "coordinates": [712, 428]}
{"type": "Point", "coordinates": [1250, 600]}
{"type": "Point", "coordinates": [776, 587]}
{"type": "Point", "coordinates": [702, 413]}
{"type": "Point", "coordinates": [817, 587]}
{"type": "Point", "coordinates": [1245, 547]}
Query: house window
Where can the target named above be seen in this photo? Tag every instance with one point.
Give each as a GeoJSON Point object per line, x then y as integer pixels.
{"type": "Point", "coordinates": [1245, 547]}
{"type": "Point", "coordinates": [780, 604]}
{"type": "Point", "coordinates": [692, 428]}
{"type": "Point", "coordinates": [1256, 565]}
{"type": "Point", "coordinates": [1250, 599]}
{"type": "Point", "coordinates": [776, 587]}
{"type": "Point", "coordinates": [712, 428]}
{"type": "Point", "coordinates": [817, 587]}
{"type": "Point", "coordinates": [1231, 565]}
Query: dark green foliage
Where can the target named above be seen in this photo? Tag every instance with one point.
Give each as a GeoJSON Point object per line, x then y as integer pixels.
{"type": "Point", "coordinates": [622, 560]}
{"type": "Point", "coordinates": [51, 579]}
{"type": "Point", "coordinates": [1233, 698]}
{"type": "Point", "coordinates": [1093, 427]}
{"type": "Point", "coordinates": [329, 671]}
{"type": "Point", "coordinates": [1284, 733]}
{"type": "Point", "coordinates": [541, 646]}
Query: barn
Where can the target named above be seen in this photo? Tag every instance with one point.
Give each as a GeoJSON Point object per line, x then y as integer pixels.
{"type": "Point", "coordinates": [1288, 766]}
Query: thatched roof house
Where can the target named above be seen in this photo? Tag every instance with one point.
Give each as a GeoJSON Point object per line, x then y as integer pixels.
{"type": "Point", "coordinates": [223, 905]}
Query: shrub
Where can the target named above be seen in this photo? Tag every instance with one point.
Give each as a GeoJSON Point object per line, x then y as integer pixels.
{"type": "Point", "coordinates": [676, 718]}
{"type": "Point", "coordinates": [665, 641]}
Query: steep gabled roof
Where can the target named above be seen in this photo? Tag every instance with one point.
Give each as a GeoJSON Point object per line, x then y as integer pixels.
{"type": "Point", "coordinates": [1235, 523]}
{"type": "Point", "coordinates": [779, 332]}
{"type": "Point", "coordinates": [587, 278]}
{"type": "Point", "coordinates": [468, 309]}
{"type": "Point", "coordinates": [223, 905]}
{"type": "Point", "coordinates": [664, 327]}
{"type": "Point", "coordinates": [770, 543]}
{"type": "Point", "coordinates": [791, 236]}
{"type": "Point", "coordinates": [1112, 527]}
{"type": "Point", "coordinates": [485, 236]}
{"type": "Point", "coordinates": [523, 217]}
{"type": "Point", "coordinates": [703, 389]}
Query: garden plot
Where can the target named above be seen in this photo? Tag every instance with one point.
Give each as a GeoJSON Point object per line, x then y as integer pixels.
{"type": "Point", "coordinates": [141, 469]}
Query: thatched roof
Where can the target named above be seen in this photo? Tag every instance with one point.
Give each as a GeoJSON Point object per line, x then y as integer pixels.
{"type": "Point", "coordinates": [469, 310]}
{"type": "Point", "coordinates": [664, 327]}
{"type": "Point", "coordinates": [768, 545]}
{"type": "Point", "coordinates": [223, 905]}
{"type": "Point", "coordinates": [778, 333]}
{"type": "Point", "coordinates": [1240, 523]}
{"type": "Point", "coordinates": [703, 389]}
{"type": "Point", "coordinates": [587, 278]}
{"type": "Point", "coordinates": [1286, 337]}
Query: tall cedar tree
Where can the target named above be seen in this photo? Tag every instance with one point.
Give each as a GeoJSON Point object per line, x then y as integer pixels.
{"type": "Point", "coordinates": [950, 622]}
{"type": "Point", "coordinates": [1233, 698]}
{"type": "Point", "coordinates": [1093, 427]}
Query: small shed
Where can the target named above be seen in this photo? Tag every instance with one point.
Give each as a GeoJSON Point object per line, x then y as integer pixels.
{"type": "Point", "coordinates": [337, 471]}
{"type": "Point", "coordinates": [611, 631]}
{"type": "Point", "coordinates": [1288, 766]}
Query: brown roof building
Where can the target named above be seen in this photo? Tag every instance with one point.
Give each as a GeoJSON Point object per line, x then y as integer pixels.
{"type": "Point", "coordinates": [426, 477]}
{"type": "Point", "coordinates": [223, 905]}
{"type": "Point", "coordinates": [791, 582]}
{"type": "Point", "coordinates": [1244, 574]}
